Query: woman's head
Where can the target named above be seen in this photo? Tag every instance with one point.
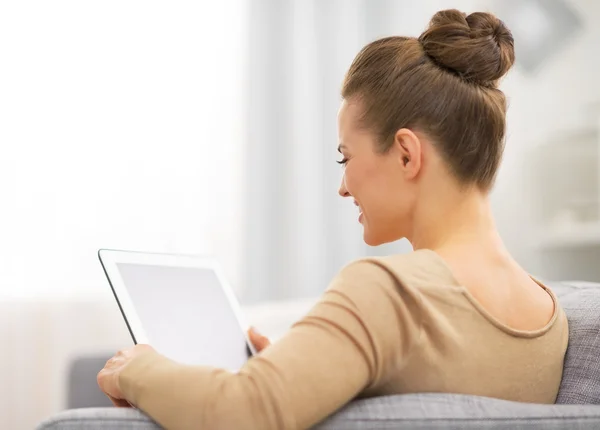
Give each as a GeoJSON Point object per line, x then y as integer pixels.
{"type": "Point", "coordinates": [421, 114]}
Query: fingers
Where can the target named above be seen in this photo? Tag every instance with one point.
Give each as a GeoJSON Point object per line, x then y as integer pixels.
{"type": "Point", "coordinates": [108, 377]}
{"type": "Point", "coordinates": [104, 383]}
{"type": "Point", "coordinates": [119, 403]}
{"type": "Point", "coordinates": [259, 341]}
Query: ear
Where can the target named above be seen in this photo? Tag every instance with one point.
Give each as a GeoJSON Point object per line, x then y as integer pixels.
{"type": "Point", "coordinates": [409, 150]}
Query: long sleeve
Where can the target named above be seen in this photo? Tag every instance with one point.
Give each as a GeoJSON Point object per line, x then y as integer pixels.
{"type": "Point", "coordinates": [357, 333]}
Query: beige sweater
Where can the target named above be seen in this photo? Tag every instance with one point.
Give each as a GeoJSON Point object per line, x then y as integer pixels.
{"type": "Point", "coordinates": [399, 324]}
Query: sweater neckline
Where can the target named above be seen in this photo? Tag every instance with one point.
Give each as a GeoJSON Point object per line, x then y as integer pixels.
{"type": "Point", "coordinates": [491, 318]}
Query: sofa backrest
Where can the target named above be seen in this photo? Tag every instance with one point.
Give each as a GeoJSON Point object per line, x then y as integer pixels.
{"type": "Point", "coordinates": [581, 376]}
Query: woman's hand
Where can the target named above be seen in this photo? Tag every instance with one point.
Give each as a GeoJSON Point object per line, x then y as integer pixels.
{"type": "Point", "coordinates": [108, 378]}
{"type": "Point", "coordinates": [259, 341]}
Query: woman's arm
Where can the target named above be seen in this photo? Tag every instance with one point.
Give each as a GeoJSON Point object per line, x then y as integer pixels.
{"type": "Point", "coordinates": [352, 338]}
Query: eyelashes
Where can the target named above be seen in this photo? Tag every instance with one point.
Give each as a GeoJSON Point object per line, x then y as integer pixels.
{"type": "Point", "coordinates": [343, 161]}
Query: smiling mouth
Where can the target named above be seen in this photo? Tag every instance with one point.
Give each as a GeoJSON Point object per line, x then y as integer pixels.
{"type": "Point", "coordinates": [360, 213]}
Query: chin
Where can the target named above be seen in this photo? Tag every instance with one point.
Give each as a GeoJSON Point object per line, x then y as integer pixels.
{"type": "Point", "coordinates": [372, 240]}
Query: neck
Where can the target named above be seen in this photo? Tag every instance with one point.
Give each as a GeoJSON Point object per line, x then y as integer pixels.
{"type": "Point", "coordinates": [455, 219]}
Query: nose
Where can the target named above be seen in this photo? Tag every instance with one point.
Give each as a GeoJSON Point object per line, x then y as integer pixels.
{"type": "Point", "coordinates": [343, 191]}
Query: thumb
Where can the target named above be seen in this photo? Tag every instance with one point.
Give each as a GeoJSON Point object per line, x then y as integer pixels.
{"type": "Point", "coordinates": [259, 341]}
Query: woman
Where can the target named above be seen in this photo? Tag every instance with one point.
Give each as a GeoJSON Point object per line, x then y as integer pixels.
{"type": "Point", "coordinates": [421, 131]}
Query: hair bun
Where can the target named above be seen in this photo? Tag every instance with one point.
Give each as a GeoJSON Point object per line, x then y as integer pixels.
{"type": "Point", "coordinates": [478, 47]}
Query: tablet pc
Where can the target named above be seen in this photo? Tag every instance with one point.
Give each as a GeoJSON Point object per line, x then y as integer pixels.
{"type": "Point", "coordinates": [179, 304]}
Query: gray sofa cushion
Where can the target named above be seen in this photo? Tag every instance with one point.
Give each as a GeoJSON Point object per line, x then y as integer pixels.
{"type": "Point", "coordinates": [455, 411]}
{"type": "Point", "coordinates": [411, 411]}
{"type": "Point", "coordinates": [581, 375]}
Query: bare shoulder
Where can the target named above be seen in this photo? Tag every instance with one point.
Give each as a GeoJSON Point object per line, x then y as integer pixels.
{"type": "Point", "coordinates": [506, 291]}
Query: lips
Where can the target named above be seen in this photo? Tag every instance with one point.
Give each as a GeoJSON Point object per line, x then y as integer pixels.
{"type": "Point", "coordinates": [360, 214]}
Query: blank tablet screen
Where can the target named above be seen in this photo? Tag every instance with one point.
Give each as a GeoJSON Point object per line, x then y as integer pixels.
{"type": "Point", "coordinates": [186, 314]}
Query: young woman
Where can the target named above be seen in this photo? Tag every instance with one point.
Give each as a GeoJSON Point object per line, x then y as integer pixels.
{"type": "Point", "coordinates": [421, 130]}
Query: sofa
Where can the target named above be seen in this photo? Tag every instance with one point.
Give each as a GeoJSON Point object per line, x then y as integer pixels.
{"type": "Point", "coordinates": [577, 405]}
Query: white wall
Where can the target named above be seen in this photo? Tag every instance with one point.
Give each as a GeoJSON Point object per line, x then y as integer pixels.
{"type": "Point", "coordinates": [121, 126]}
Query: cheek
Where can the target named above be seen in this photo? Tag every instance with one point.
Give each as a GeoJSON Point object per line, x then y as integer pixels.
{"type": "Point", "coordinates": [356, 179]}
{"type": "Point", "coordinates": [365, 182]}
{"type": "Point", "coordinates": [384, 194]}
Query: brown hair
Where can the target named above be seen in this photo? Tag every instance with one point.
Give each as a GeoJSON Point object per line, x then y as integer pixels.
{"type": "Point", "coordinates": [443, 83]}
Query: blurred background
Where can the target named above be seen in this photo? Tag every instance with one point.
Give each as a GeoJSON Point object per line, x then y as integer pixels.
{"type": "Point", "coordinates": [210, 128]}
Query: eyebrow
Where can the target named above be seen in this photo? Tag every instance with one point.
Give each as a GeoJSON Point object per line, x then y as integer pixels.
{"type": "Point", "coordinates": [340, 147]}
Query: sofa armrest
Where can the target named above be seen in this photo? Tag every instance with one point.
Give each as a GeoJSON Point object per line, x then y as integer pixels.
{"type": "Point", "coordinates": [99, 418]}
{"type": "Point", "coordinates": [411, 411]}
